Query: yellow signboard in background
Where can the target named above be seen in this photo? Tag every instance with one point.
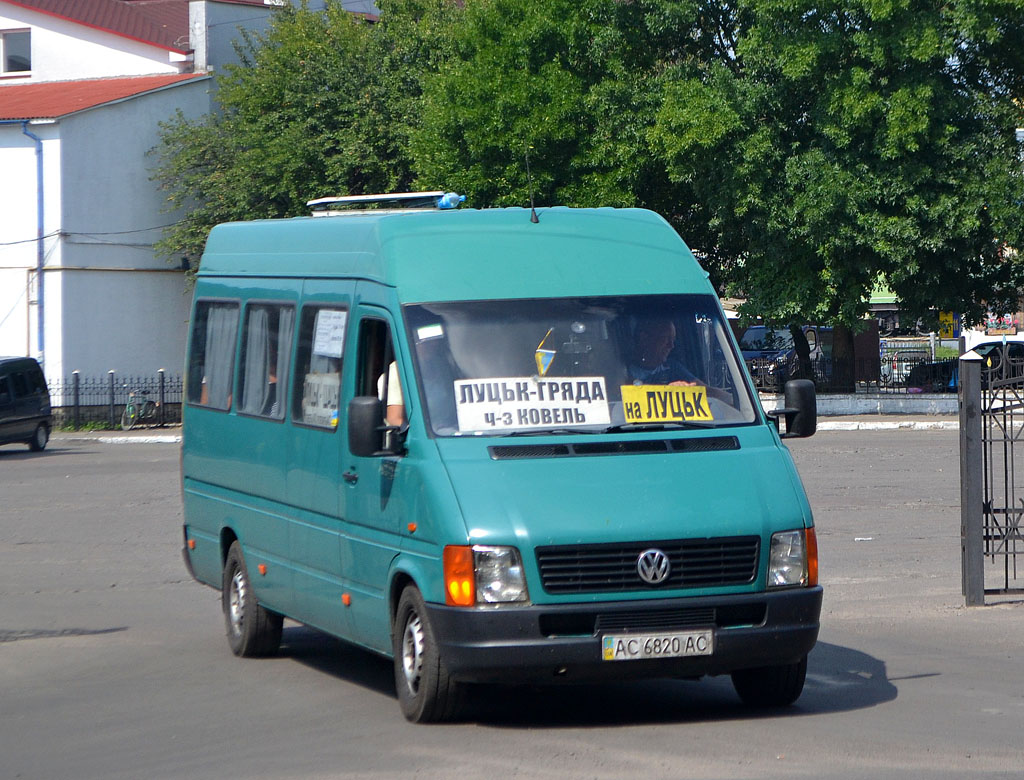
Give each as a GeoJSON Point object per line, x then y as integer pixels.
{"type": "Point", "coordinates": [949, 325]}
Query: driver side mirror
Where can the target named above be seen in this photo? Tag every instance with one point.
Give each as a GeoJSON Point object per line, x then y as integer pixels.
{"type": "Point", "coordinates": [800, 410]}
{"type": "Point", "coordinates": [368, 436]}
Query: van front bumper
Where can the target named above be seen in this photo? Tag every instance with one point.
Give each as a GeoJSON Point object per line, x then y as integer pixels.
{"type": "Point", "coordinates": [564, 642]}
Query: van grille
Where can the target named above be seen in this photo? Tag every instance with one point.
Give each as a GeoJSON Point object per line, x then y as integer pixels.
{"type": "Point", "coordinates": [612, 568]}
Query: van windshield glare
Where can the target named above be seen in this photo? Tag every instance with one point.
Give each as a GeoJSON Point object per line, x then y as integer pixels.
{"type": "Point", "coordinates": [561, 365]}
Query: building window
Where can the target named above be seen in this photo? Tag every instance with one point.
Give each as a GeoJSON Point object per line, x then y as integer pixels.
{"type": "Point", "coordinates": [15, 51]}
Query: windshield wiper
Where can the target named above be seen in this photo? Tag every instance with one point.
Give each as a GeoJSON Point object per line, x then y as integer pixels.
{"type": "Point", "coordinates": [551, 432]}
{"type": "Point", "coordinates": [658, 426]}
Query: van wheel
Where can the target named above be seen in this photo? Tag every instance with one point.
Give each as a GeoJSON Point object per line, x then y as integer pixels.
{"type": "Point", "coordinates": [39, 438]}
{"type": "Point", "coordinates": [425, 691]}
{"type": "Point", "coordinates": [771, 686]}
{"type": "Point", "coordinates": [252, 630]}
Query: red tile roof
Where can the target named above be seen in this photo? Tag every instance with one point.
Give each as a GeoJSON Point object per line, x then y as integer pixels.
{"type": "Point", "coordinates": [163, 23]}
{"type": "Point", "coordinates": [52, 99]}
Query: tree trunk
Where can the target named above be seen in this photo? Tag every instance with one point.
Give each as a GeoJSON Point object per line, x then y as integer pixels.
{"type": "Point", "coordinates": [803, 368]}
{"type": "Point", "coordinates": [842, 359]}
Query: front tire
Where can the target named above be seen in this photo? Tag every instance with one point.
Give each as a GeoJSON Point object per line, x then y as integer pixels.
{"type": "Point", "coordinates": [128, 417]}
{"type": "Point", "coordinates": [39, 438]}
{"type": "Point", "coordinates": [771, 686]}
{"type": "Point", "coordinates": [426, 693]}
{"type": "Point", "coordinates": [252, 630]}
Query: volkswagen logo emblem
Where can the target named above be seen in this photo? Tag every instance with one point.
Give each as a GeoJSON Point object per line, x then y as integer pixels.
{"type": "Point", "coordinates": [653, 566]}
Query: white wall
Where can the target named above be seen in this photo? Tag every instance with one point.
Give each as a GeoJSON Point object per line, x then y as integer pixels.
{"type": "Point", "coordinates": [132, 320]}
{"type": "Point", "coordinates": [18, 229]}
{"type": "Point", "coordinates": [63, 50]}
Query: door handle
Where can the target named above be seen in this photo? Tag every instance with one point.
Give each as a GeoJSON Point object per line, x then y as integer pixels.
{"type": "Point", "coordinates": [350, 477]}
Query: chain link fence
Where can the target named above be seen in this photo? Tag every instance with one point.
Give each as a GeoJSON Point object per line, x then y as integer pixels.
{"type": "Point", "coordinates": [98, 401]}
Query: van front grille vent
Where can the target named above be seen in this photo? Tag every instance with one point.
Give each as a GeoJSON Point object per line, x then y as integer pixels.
{"type": "Point", "coordinates": [612, 568]}
{"type": "Point", "coordinates": [623, 447]}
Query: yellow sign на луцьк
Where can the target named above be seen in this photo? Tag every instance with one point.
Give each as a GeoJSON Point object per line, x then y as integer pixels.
{"type": "Point", "coordinates": [665, 403]}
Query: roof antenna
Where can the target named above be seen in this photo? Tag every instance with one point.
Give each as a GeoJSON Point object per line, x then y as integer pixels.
{"type": "Point", "coordinates": [529, 180]}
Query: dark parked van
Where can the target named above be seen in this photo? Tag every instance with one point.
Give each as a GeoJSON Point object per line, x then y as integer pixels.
{"type": "Point", "coordinates": [24, 403]}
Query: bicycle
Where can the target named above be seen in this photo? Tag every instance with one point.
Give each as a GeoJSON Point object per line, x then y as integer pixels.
{"type": "Point", "coordinates": [138, 409]}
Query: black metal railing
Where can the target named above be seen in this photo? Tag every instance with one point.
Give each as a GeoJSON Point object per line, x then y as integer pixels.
{"type": "Point", "coordinates": [89, 400]}
{"type": "Point", "coordinates": [991, 492]}
{"type": "Point", "coordinates": [897, 372]}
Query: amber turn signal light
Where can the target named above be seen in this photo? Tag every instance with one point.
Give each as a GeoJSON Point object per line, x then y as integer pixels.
{"type": "Point", "coordinates": [459, 582]}
{"type": "Point", "coordinates": [812, 556]}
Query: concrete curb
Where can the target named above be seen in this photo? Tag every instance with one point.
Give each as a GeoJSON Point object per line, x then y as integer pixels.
{"type": "Point", "coordinates": [895, 425]}
{"type": "Point", "coordinates": [155, 439]}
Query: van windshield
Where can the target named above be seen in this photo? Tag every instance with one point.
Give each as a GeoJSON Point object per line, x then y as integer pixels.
{"type": "Point", "coordinates": [576, 365]}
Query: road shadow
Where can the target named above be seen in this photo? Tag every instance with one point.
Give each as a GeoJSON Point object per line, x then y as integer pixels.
{"type": "Point", "coordinates": [14, 452]}
{"type": "Point", "coordinates": [341, 660]}
{"type": "Point", "coordinates": [839, 679]}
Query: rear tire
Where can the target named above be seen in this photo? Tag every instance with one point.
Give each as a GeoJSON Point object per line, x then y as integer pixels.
{"type": "Point", "coordinates": [39, 438]}
{"type": "Point", "coordinates": [426, 693]}
{"type": "Point", "coordinates": [252, 630]}
{"type": "Point", "coordinates": [771, 686]}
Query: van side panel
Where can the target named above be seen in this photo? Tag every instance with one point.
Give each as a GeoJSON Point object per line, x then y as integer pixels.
{"type": "Point", "coordinates": [315, 490]}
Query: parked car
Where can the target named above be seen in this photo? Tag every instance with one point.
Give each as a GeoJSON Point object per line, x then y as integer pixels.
{"type": "Point", "coordinates": [771, 357]}
{"type": "Point", "coordinates": [24, 403]}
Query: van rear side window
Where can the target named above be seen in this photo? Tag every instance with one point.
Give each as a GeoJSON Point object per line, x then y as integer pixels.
{"type": "Point", "coordinates": [318, 366]}
{"type": "Point", "coordinates": [212, 363]}
{"type": "Point", "coordinates": [266, 350]}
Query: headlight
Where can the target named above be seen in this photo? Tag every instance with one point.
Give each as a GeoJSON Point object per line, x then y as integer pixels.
{"type": "Point", "coordinates": [483, 575]}
{"type": "Point", "coordinates": [793, 559]}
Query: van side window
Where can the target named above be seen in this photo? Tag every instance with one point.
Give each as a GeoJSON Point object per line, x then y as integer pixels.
{"type": "Point", "coordinates": [20, 384]}
{"type": "Point", "coordinates": [318, 366]}
{"type": "Point", "coordinates": [378, 369]}
{"type": "Point", "coordinates": [266, 350]}
{"type": "Point", "coordinates": [212, 359]}
{"type": "Point", "coordinates": [36, 381]}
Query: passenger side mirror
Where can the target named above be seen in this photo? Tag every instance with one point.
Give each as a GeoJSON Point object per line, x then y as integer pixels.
{"type": "Point", "coordinates": [368, 436]}
{"type": "Point", "coordinates": [800, 409]}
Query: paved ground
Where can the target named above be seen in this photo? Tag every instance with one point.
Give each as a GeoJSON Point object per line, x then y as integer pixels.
{"type": "Point", "coordinates": [113, 663]}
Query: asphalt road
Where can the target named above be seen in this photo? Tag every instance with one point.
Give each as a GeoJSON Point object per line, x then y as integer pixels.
{"type": "Point", "coordinates": [113, 663]}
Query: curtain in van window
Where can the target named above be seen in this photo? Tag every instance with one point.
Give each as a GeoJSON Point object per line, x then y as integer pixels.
{"type": "Point", "coordinates": [256, 371]}
{"type": "Point", "coordinates": [221, 326]}
{"type": "Point", "coordinates": [285, 332]}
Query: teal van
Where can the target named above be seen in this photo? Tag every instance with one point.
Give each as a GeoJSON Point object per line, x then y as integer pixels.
{"type": "Point", "coordinates": [495, 446]}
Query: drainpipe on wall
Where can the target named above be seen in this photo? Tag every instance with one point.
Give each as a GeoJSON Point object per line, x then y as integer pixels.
{"type": "Point", "coordinates": [40, 254]}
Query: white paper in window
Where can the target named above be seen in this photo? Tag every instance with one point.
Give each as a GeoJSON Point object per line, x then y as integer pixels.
{"type": "Point", "coordinates": [329, 333]}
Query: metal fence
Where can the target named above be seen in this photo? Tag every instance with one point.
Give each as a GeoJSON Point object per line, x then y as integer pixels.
{"type": "Point", "coordinates": [80, 400]}
{"type": "Point", "coordinates": [897, 372]}
{"type": "Point", "coordinates": [991, 484]}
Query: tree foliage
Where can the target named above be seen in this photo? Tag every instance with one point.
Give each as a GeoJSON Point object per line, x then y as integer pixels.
{"type": "Point", "coordinates": [804, 148]}
{"type": "Point", "coordinates": [320, 105]}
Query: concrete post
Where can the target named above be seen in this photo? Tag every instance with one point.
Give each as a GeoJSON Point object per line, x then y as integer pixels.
{"type": "Point", "coordinates": [972, 558]}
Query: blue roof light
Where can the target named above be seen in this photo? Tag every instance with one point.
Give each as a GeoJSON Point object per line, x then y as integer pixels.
{"type": "Point", "coordinates": [450, 200]}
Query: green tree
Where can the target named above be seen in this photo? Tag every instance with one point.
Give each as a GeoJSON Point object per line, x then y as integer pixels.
{"type": "Point", "coordinates": [805, 148]}
{"type": "Point", "coordinates": [318, 106]}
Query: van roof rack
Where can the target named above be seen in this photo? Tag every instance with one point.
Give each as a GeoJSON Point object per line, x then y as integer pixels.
{"type": "Point", "coordinates": [436, 200]}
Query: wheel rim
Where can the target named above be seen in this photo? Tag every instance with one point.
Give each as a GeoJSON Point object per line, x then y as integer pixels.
{"type": "Point", "coordinates": [412, 653]}
{"type": "Point", "coordinates": [41, 436]}
{"type": "Point", "coordinates": [236, 602]}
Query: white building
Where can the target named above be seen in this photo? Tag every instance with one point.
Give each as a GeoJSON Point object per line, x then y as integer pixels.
{"type": "Point", "coordinates": [84, 85]}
